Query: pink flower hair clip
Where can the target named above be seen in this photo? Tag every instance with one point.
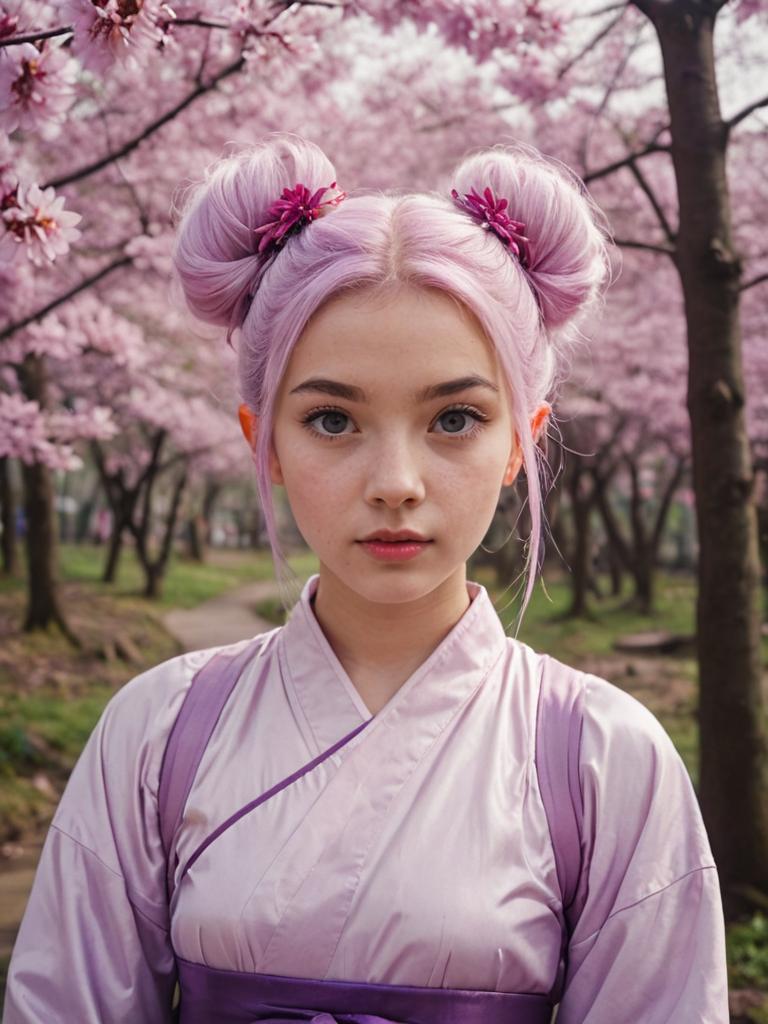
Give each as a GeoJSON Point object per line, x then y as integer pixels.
{"type": "Point", "coordinates": [490, 212]}
{"type": "Point", "coordinates": [295, 208]}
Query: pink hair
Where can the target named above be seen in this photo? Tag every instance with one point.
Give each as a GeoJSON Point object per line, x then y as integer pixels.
{"type": "Point", "coordinates": [381, 240]}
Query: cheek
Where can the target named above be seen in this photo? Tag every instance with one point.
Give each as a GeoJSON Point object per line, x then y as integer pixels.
{"type": "Point", "coordinates": [316, 492]}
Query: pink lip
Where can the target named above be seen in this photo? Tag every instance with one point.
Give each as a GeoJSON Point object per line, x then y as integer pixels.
{"type": "Point", "coordinates": [394, 551]}
{"type": "Point", "coordinates": [394, 535]}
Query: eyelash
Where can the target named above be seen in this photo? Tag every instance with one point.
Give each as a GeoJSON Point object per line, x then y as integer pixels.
{"type": "Point", "coordinates": [479, 417]}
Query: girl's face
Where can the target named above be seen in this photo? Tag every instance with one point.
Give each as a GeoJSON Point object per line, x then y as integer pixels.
{"type": "Point", "coordinates": [392, 415]}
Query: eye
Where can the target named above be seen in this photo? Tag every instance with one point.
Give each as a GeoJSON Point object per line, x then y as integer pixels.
{"type": "Point", "coordinates": [332, 421]}
{"type": "Point", "coordinates": [455, 419]}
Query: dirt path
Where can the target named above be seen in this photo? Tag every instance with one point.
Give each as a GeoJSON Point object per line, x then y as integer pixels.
{"type": "Point", "coordinates": [222, 620]}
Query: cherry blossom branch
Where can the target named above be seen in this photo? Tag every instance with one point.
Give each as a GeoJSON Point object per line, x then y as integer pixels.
{"type": "Point", "coordinates": [200, 22]}
{"type": "Point", "coordinates": [755, 280]}
{"type": "Point", "coordinates": [123, 261]}
{"type": "Point", "coordinates": [743, 114]}
{"type": "Point", "coordinates": [128, 147]}
{"type": "Point", "coordinates": [32, 37]}
{"type": "Point", "coordinates": [287, 4]}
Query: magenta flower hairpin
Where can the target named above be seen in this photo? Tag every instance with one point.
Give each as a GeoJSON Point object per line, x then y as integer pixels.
{"type": "Point", "coordinates": [491, 213]}
{"type": "Point", "coordinates": [295, 208]}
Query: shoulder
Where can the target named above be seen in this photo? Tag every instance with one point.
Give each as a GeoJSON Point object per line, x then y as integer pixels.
{"type": "Point", "coordinates": [148, 703]}
{"type": "Point", "coordinates": [158, 692]}
{"type": "Point", "coordinates": [611, 720]}
{"type": "Point", "coordinates": [129, 739]}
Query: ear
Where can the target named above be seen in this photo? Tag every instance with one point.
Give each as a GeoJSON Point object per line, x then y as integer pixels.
{"type": "Point", "coordinates": [249, 423]}
{"type": "Point", "coordinates": [537, 426]}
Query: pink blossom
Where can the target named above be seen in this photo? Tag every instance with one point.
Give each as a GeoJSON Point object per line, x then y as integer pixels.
{"type": "Point", "coordinates": [746, 8]}
{"type": "Point", "coordinates": [8, 177]}
{"type": "Point", "coordinates": [295, 207]}
{"type": "Point", "coordinates": [9, 21]}
{"type": "Point", "coordinates": [36, 87]}
{"type": "Point", "coordinates": [26, 433]}
{"type": "Point", "coordinates": [492, 214]}
{"type": "Point", "coordinates": [106, 31]}
{"type": "Point", "coordinates": [36, 219]}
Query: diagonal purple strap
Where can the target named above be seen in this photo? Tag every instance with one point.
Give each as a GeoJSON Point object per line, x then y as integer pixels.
{"type": "Point", "coordinates": [273, 791]}
{"type": "Point", "coordinates": [558, 740]}
{"type": "Point", "coordinates": [194, 725]}
{"type": "Point", "coordinates": [236, 997]}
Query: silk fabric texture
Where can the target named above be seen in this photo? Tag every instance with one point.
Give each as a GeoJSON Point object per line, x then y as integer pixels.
{"type": "Point", "coordinates": [417, 855]}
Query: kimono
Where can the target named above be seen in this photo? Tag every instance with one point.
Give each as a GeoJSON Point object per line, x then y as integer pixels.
{"type": "Point", "coordinates": [414, 854]}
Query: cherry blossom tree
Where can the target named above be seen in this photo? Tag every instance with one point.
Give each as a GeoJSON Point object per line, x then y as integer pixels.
{"type": "Point", "coordinates": [625, 92]}
{"type": "Point", "coordinates": [74, 63]}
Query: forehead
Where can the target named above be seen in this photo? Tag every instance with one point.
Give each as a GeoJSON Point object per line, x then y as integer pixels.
{"type": "Point", "coordinates": [398, 339]}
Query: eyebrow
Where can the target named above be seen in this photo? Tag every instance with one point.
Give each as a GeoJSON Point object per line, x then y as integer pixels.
{"type": "Point", "coordinates": [354, 394]}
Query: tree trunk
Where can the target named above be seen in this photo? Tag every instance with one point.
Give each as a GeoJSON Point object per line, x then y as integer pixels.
{"type": "Point", "coordinates": [115, 547]}
{"type": "Point", "coordinates": [154, 569]}
{"type": "Point", "coordinates": [581, 560]}
{"type": "Point", "coordinates": [85, 512]}
{"type": "Point", "coordinates": [212, 491]}
{"type": "Point", "coordinates": [733, 770]}
{"type": "Point", "coordinates": [43, 607]}
{"type": "Point", "coordinates": [195, 531]}
{"type": "Point", "coordinates": [615, 570]}
{"type": "Point", "coordinates": [8, 520]}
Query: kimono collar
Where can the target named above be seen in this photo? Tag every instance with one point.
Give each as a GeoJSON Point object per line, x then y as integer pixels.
{"type": "Point", "coordinates": [328, 699]}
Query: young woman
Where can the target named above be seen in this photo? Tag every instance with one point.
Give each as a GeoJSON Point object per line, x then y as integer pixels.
{"type": "Point", "coordinates": [387, 809]}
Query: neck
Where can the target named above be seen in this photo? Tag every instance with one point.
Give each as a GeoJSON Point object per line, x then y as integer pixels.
{"type": "Point", "coordinates": [381, 645]}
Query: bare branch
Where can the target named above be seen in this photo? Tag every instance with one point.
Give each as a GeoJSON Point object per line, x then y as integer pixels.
{"type": "Point", "coordinates": [598, 111]}
{"type": "Point", "coordinates": [128, 147]}
{"type": "Point", "coordinates": [123, 261]}
{"type": "Point", "coordinates": [755, 280]}
{"type": "Point", "coordinates": [731, 123]}
{"type": "Point", "coordinates": [287, 4]}
{"type": "Point", "coordinates": [608, 9]}
{"type": "Point", "coordinates": [650, 8]}
{"type": "Point", "coordinates": [33, 37]}
{"type": "Point", "coordinates": [604, 172]}
{"type": "Point", "coordinates": [200, 22]}
{"type": "Point", "coordinates": [604, 31]}
{"type": "Point", "coordinates": [628, 243]}
{"type": "Point", "coordinates": [645, 185]}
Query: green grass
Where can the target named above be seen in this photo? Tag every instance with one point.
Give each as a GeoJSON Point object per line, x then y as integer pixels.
{"type": "Point", "coordinates": [543, 625]}
{"type": "Point", "coordinates": [187, 583]}
{"type": "Point", "coordinates": [747, 944]}
{"type": "Point", "coordinates": [51, 695]}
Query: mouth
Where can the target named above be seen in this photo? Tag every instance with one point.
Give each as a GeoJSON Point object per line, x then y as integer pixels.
{"type": "Point", "coordinates": [384, 549]}
{"type": "Point", "coordinates": [395, 537]}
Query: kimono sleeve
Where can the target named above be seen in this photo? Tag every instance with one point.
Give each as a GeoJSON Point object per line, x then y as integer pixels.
{"type": "Point", "coordinates": [649, 943]}
{"type": "Point", "coordinates": [93, 946]}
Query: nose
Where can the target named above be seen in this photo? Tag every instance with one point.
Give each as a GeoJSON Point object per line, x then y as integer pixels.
{"type": "Point", "coordinates": [394, 474]}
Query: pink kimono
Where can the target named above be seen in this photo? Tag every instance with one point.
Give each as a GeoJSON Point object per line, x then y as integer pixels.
{"type": "Point", "coordinates": [414, 857]}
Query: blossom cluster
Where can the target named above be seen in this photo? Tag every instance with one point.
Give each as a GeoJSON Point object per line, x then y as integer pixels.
{"type": "Point", "coordinates": [35, 222]}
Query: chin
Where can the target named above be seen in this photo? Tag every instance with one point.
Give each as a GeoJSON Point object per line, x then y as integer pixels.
{"type": "Point", "coordinates": [392, 583]}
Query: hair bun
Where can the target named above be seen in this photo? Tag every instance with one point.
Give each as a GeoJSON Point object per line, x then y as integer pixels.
{"type": "Point", "coordinates": [216, 255]}
{"type": "Point", "coordinates": [567, 258]}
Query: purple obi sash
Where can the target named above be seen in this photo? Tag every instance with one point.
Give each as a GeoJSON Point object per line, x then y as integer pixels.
{"type": "Point", "coordinates": [211, 996]}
